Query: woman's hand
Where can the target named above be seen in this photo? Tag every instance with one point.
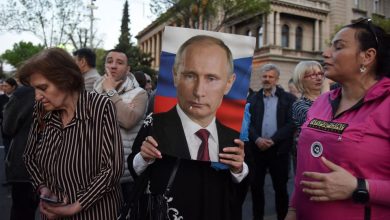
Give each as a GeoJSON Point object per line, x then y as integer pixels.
{"type": "Point", "coordinates": [54, 211]}
{"type": "Point", "coordinates": [46, 193]}
{"type": "Point", "coordinates": [338, 184]}
{"type": "Point", "coordinates": [149, 149]}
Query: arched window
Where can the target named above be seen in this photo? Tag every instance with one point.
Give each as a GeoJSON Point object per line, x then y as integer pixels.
{"type": "Point", "coordinates": [285, 35]}
{"type": "Point", "coordinates": [248, 33]}
{"type": "Point", "coordinates": [259, 37]}
{"type": "Point", "coordinates": [376, 6]}
{"type": "Point", "coordinates": [298, 38]}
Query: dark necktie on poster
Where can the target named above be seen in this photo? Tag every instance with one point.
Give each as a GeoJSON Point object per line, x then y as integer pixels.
{"type": "Point", "coordinates": [203, 152]}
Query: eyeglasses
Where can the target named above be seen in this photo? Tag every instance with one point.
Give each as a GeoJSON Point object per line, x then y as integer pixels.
{"type": "Point", "coordinates": [368, 21]}
{"type": "Point", "coordinates": [148, 81]}
{"type": "Point", "coordinates": [314, 75]}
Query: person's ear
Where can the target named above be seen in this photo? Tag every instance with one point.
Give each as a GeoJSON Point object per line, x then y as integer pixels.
{"type": "Point", "coordinates": [128, 68]}
{"type": "Point", "coordinates": [230, 83]}
{"type": "Point", "coordinates": [368, 56]}
{"type": "Point", "coordinates": [82, 61]}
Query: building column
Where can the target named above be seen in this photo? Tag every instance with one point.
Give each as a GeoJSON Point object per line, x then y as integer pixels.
{"type": "Point", "coordinates": [158, 50]}
{"type": "Point", "coordinates": [316, 35]}
{"type": "Point", "coordinates": [233, 29]}
{"type": "Point", "coordinates": [154, 50]}
{"type": "Point", "coordinates": [270, 29]}
{"type": "Point", "coordinates": [149, 45]}
{"type": "Point", "coordinates": [292, 34]}
{"type": "Point", "coordinates": [278, 29]}
{"type": "Point", "coordinates": [321, 34]}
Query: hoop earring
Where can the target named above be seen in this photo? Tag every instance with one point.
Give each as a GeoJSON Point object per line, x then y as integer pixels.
{"type": "Point", "coordinates": [363, 69]}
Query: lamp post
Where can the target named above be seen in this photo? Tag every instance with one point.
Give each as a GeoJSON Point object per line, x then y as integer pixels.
{"type": "Point", "coordinates": [91, 6]}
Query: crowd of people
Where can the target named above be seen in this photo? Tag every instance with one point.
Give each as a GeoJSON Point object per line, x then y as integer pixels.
{"type": "Point", "coordinates": [82, 145]}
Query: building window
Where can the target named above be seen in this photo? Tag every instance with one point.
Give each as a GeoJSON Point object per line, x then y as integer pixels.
{"type": "Point", "coordinates": [249, 33]}
{"type": "Point", "coordinates": [260, 37]}
{"type": "Point", "coordinates": [360, 4]}
{"type": "Point", "coordinates": [285, 35]}
{"type": "Point", "coordinates": [376, 6]}
{"type": "Point", "coordinates": [298, 38]}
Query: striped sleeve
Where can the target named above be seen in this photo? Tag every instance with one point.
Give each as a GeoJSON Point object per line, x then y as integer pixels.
{"type": "Point", "coordinates": [299, 112]}
{"type": "Point", "coordinates": [112, 164]}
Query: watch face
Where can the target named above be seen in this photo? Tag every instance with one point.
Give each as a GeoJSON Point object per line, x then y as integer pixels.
{"type": "Point", "coordinates": [111, 92]}
{"type": "Point", "coordinates": [360, 196]}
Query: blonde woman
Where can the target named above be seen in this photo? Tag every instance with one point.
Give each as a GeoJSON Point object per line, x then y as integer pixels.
{"type": "Point", "coordinates": [308, 78]}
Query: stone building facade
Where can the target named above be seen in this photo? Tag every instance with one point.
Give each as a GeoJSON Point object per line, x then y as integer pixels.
{"type": "Point", "coordinates": [293, 31]}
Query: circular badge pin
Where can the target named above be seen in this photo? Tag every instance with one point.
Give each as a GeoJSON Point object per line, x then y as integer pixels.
{"type": "Point", "coordinates": [316, 149]}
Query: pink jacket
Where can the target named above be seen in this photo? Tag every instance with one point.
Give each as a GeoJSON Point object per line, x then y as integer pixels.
{"type": "Point", "coordinates": [359, 141]}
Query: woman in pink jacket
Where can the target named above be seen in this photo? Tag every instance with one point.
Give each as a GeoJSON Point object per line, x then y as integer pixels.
{"type": "Point", "coordinates": [343, 169]}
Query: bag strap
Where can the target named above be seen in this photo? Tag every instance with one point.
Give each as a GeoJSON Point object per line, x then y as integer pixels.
{"type": "Point", "coordinates": [172, 177]}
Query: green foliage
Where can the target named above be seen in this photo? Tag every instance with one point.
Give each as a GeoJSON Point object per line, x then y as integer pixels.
{"type": "Point", "coordinates": [100, 60]}
{"type": "Point", "coordinates": [191, 13]}
{"type": "Point", "coordinates": [382, 22]}
{"type": "Point", "coordinates": [124, 39]}
{"type": "Point", "coordinates": [55, 22]}
{"type": "Point", "coordinates": [2, 75]}
{"type": "Point", "coordinates": [233, 8]}
{"type": "Point", "coordinates": [21, 51]}
{"type": "Point", "coordinates": [137, 59]}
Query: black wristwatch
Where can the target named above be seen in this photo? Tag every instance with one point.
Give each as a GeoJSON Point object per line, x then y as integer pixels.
{"type": "Point", "coordinates": [361, 195]}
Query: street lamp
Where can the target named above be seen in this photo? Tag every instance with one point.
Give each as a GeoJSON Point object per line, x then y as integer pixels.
{"type": "Point", "coordinates": [91, 6]}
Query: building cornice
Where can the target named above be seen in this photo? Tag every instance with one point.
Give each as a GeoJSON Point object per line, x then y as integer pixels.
{"type": "Point", "coordinates": [316, 6]}
{"type": "Point", "coordinates": [150, 27]}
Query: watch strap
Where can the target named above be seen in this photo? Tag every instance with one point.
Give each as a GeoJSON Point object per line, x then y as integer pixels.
{"type": "Point", "coordinates": [361, 183]}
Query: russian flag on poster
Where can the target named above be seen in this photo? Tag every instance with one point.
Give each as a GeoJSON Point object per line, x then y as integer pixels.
{"type": "Point", "coordinates": [231, 111]}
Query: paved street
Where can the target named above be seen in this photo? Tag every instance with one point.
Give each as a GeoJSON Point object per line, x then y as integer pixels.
{"type": "Point", "coordinates": [5, 198]}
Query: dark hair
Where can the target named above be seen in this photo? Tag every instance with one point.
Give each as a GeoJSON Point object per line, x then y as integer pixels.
{"type": "Point", "coordinates": [57, 66]}
{"type": "Point", "coordinates": [203, 38]}
{"type": "Point", "coordinates": [141, 78]}
{"type": "Point", "coordinates": [372, 36]}
{"type": "Point", "coordinates": [12, 82]}
{"type": "Point", "coordinates": [88, 55]}
{"type": "Point", "coordinates": [118, 51]}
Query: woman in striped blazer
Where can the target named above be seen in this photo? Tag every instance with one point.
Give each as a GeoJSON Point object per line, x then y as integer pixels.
{"type": "Point", "coordinates": [74, 153]}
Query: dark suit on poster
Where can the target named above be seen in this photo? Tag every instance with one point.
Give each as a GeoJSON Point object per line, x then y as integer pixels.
{"type": "Point", "coordinates": [168, 124]}
{"type": "Point", "coordinates": [209, 193]}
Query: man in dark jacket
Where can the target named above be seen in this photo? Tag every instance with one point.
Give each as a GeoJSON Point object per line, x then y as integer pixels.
{"type": "Point", "coordinates": [9, 86]}
{"type": "Point", "coordinates": [17, 119]}
{"type": "Point", "coordinates": [270, 140]}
